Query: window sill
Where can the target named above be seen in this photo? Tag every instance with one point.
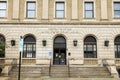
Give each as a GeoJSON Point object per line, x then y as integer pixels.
{"type": "Point", "coordinates": [116, 18]}
{"type": "Point", "coordinates": [30, 19]}
{"type": "Point", "coordinates": [3, 17]}
{"type": "Point", "coordinates": [59, 19]}
{"type": "Point", "coordinates": [28, 58]}
{"type": "Point", "coordinates": [89, 19]}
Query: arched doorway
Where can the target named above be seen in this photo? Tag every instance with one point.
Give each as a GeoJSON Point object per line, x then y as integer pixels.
{"type": "Point", "coordinates": [117, 47]}
{"type": "Point", "coordinates": [2, 46]}
{"type": "Point", "coordinates": [90, 47]}
{"type": "Point", "coordinates": [59, 56]}
{"type": "Point", "coordinates": [29, 47]}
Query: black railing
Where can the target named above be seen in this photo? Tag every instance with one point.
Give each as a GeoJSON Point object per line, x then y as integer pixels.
{"type": "Point", "coordinates": [68, 68]}
{"type": "Point", "coordinates": [50, 68]}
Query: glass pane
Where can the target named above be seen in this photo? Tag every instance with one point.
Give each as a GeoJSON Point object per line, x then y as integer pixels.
{"type": "Point", "coordinates": [117, 14]}
{"type": "Point", "coordinates": [84, 47]}
{"type": "Point", "coordinates": [117, 6]}
{"type": "Point", "coordinates": [60, 39]}
{"type": "Point", "coordinates": [90, 39]}
{"type": "Point", "coordinates": [59, 14]}
{"type": "Point", "coordinates": [24, 47]}
{"type": "Point", "coordinates": [31, 14]}
{"type": "Point", "coordinates": [94, 47]}
{"type": "Point", "coordinates": [115, 47]}
{"type": "Point", "coordinates": [89, 47]}
{"type": "Point", "coordinates": [31, 5]}
{"type": "Point", "coordinates": [118, 47]}
{"type": "Point", "coordinates": [3, 5]}
{"type": "Point", "coordinates": [89, 6]}
{"type": "Point", "coordinates": [59, 6]}
{"type": "Point", "coordinates": [2, 13]}
{"type": "Point", "coordinates": [89, 14]}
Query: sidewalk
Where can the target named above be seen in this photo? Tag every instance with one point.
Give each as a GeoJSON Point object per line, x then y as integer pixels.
{"type": "Point", "coordinates": [64, 79]}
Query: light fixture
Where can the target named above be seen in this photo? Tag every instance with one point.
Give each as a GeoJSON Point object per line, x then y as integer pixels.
{"type": "Point", "coordinates": [69, 54]}
{"type": "Point", "coordinates": [106, 43]}
{"type": "Point", "coordinates": [75, 42]}
{"type": "Point", "coordinates": [12, 42]}
{"type": "Point", "coordinates": [44, 42]}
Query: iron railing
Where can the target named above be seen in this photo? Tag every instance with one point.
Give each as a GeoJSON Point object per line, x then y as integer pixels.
{"type": "Point", "coordinates": [50, 68]}
{"type": "Point", "coordinates": [68, 68]}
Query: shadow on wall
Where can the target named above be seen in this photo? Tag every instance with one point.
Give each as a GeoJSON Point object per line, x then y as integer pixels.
{"type": "Point", "coordinates": [118, 72]}
{"type": "Point", "coordinates": [0, 70]}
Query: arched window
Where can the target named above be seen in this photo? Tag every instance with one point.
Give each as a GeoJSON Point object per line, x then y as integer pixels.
{"type": "Point", "coordinates": [117, 47]}
{"type": "Point", "coordinates": [2, 46]}
{"type": "Point", "coordinates": [90, 47]}
{"type": "Point", "coordinates": [29, 47]}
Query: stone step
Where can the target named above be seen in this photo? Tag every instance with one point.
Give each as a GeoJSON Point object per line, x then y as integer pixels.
{"type": "Point", "coordinates": [86, 76]}
{"type": "Point", "coordinates": [62, 71]}
{"type": "Point", "coordinates": [91, 74]}
{"type": "Point", "coordinates": [59, 75]}
{"type": "Point", "coordinates": [90, 69]}
{"type": "Point", "coordinates": [26, 69]}
{"type": "Point", "coordinates": [47, 78]}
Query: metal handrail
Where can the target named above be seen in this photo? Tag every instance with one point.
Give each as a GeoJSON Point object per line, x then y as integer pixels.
{"type": "Point", "coordinates": [68, 68]}
{"type": "Point", "coordinates": [50, 68]}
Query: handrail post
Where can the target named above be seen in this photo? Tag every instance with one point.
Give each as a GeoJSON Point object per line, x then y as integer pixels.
{"type": "Point", "coordinates": [50, 67]}
{"type": "Point", "coordinates": [68, 68]}
{"type": "Point", "coordinates": [19, 66]}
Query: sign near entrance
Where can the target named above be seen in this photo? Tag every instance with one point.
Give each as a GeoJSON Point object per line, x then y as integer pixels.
{"type": "Point", "coordinates": [50, 54]}
{"type": "Point", "coordinates": [21, 44]}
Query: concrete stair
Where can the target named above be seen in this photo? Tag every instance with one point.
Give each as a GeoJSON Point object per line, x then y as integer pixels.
{"type": "Point", "coordinates": [89, 72]}
{"type": "Point", "coordinates": [58, 71]}
{"type": "Point", "coordinates": [30, 72]}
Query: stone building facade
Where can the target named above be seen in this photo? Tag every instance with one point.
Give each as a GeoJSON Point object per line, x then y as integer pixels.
{"type": "Point", "coordinates": [84, 32]}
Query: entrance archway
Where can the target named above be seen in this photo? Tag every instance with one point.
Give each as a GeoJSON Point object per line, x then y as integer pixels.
{"type": "Point", "coordinates": [59, 56]}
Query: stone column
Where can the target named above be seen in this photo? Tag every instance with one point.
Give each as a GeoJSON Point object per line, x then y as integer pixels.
{"type": "Point", "coordinates": [74, 9]}
{"type": "Point", "coordinates": [15, 9]}
{"type": "Point", "coordinates": [104, 9]}
{"type": "Point", "coordinates": [45, 9]}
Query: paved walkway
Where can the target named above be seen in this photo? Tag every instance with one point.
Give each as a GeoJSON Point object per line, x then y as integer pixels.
{"type": "Point", "coordinates": [47, 78]}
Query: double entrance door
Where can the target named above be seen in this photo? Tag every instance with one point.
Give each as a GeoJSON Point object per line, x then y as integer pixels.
{"type": "Point", "coordinates": [59, 56]}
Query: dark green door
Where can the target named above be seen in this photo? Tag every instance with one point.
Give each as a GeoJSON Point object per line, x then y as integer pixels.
{"type": "Point", "coordinates": [59, 57]}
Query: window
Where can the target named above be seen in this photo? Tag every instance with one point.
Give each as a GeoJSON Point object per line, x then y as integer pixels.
{"type": "Point", "coordinates": [116, 9]}
{"type": "Point", "coordinates": [31, 10]}
{"type": "Point", "coordinates": [2, 46]}
{"type": "Point", "coordinates": [117, 47]}
{"type": "Point", "coordinates": [89, 10]}
{"type": "Point", "coordinates": [29, 47]}
{"type": "Point", "coordinates": [60, 11]}
{"type": "Point", "coordinates": [90, 47]}
{"type": "Point", "coordinates": [3, 9]}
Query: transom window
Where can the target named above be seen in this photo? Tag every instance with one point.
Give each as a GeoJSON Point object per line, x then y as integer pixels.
{"type": "Point", "coordinates": [29, 47]}
{"type": "Point", "coordinates": [59, 42]}
{"type": "Point", "coordinates": [116, 9]}
{"type": "Point", "coordinates": [31, 9]}
{"type": "Point", "coordinates": [2, 46]}
{"type": "Point", "coordinates": [89, 10]}
{"type": "Point", "coordinates": [117, 47]}
{"type": "Point", "coordinates": [90, 47]}
{"type": "Point", "coordinates": [60, 10]}
{"type": "Point", "coordinates": [3, 9]}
